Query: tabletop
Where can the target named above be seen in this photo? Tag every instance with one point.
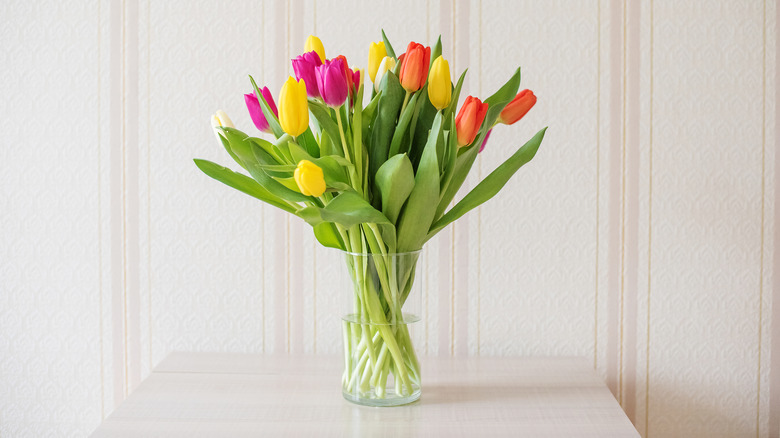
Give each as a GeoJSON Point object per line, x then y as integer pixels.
{"type": "Point", "coordinates": [250, 395]}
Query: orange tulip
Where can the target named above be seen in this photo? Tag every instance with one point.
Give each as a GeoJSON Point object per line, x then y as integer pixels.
{"type": "Point", "coordinates": [469, 120]}
{"type": "Point", "coordinates": [414, 67]}
{"type": "Point", "coordinates": [518, 107]}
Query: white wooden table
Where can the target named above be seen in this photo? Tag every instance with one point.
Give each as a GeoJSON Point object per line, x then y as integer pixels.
{"type": "Point", "coordinates": [242, 395]}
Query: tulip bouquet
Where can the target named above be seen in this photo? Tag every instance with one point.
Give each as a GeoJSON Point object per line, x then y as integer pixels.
{"type": "Point", "coordinates": [374, 176]}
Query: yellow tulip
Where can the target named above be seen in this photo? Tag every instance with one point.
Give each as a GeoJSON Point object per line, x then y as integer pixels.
{"type": "Point", "coordinates": [309, 178]}
{"type": "Point", "coordinates": [293, 107]}
{"type": "Point", "coordinates": [314, 43]}
{"type": "Point", "coordinates": [376, 53]}
{"type": "Point", "coordinates": [387, 64]}
{"type": "Point", "coordinates": [439, 84]}
{"type": "Point", "coordinates": [220, 119]}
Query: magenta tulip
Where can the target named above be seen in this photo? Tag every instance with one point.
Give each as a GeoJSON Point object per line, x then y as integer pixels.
{"type": "Point", "coordinates": [304, 66]}
{"type": "Point", "coordinates": [332, 82]}
{"type": "Point", "coordinates": [256, 111]}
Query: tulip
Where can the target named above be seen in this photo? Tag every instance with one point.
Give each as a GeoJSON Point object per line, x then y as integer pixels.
{"type": "Point", "coordinates": [469, 120]}
{"type": "Point", "coordinates": [256, 111]}
{"type": "Point", "coordinates": [414, 67]}
{"type": "Point", "coordinates": [304, 66]}
{"type": "Point", "coordinates": [220, 119]}
{"type": "Point", "coordinates": [332, 82]}
{"type": "Point", "coordinates": [518, 107]}
{"type": "Point", "coordinates": [347, 72]}
{"type": "Point", "coordinates": [376, 53]}
{"type": "Point", "coordinates": [439, 84]}
{"type": "Point", "coordinates": [386, 65]}
{"type": "Point", "coordinates": [293, 107]}
{"type": "Point", "coordinates": [314, 43]}
{"type": "Point", "coordinates": [484, 142]}
{"type": "Point", "coordinates": [309, 178]}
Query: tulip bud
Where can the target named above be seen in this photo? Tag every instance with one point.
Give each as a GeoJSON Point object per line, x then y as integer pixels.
{"type": "Point", "coordinates": [518, 107]}
{"type": "Point", "coordinates": [332, 82]}
{"type": "Point", "coordinates": [309, 178]}
{"type": "Point", "coordinates": [386, 65]}
{"type": "Point", "coordinates": [469, 120]}
{"type": "Point", "coordinates": [220, 119]}
{"type": "Point", "coordinates": [414, 67]}
{"type": "Point", "coordinates": [439, 84]}
{"type": "Point", "coordinates": [376, 53]}
{"type": "Point", "coordinates": [304, 66]}
{"type": "Point", "coordinates": [256, 111]}
{"type": "Point", "coordinates": [314, 43]}
{"type": "Point", "coordinates": [293, 107]}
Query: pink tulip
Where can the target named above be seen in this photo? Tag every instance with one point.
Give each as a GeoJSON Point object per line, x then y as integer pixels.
{"type": "Point", "coordinates": [332, 82]}
{"type": "Point", "coordinates": [304, 67]}
{"type": "Point", "coordinates": [256, 111]}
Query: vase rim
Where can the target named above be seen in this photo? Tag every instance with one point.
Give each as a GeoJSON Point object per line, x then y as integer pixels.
{"type": "Point", "coordinates": [393, 254]}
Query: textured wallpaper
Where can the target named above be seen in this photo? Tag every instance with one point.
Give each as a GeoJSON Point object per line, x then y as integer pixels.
{"type": "Point", "coordinates": [640, 237]}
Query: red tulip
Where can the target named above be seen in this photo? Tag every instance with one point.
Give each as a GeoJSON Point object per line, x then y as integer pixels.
{"type": "Point", "coordinates": [414, 67]}
{"type": "Point", "coordinates": [469, 120]}
{"type": "Point", "coordinates": [518, 107]}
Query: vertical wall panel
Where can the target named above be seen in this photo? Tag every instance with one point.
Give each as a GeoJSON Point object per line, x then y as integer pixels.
{"type": "Point", "coordinates": [544, 219]}
{"type": "Point", "coordinates": [204, 241]}
{"type": "Point", "coordinates": [50, 288]}
{"type": "Point", "coordinates": [706, 224]}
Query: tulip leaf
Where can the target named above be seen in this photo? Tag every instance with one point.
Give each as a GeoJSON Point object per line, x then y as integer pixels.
{"type": "Point", "coordinates": [243, 184]}
{"type": "Point", "coordinates": [307, 141]}
{"type": "Point", "coordinates": [388, 46]}
{"type": "Point", "coordinates": [384, 125]}
{"type": "Point", "coordinates": [244, 150]}
{"type": "Point", "coordinates": [436, 52]}
{"type": "Point", "coordinates": [454, 102]}
{"type": "Point", "coordinates": [464, 160]}
{"type": "Point", "coordinates": [395, 181]}
{"type": "Point", "coordinates": [278, 170]}
{"type": "Point", "coordinates": [268, 147]}
{"type": "Point", "coordinates": [357, 134]}
{"type": "Point", "coordinates": [346, 209]}
{"type": "Point", "coordinates": [223, 139]}
{"type": "Point", "coordinates": [270, 117]}
{"type": "Point", "coordinates": [497, 102]}
{"type": "Point", "coordinates": [492, 184]}
{"type": "Point", "coordinates": [421, 125]}
{"type": "Point", "coordinates": [418, 214]}
{"type": "Point", "coordinates": [402, 128]}
{"type": "Point", "coordinates": [323, 115]}
{"type": "Point", "coordinates": [327, 235]}
{"type": "Point", "coordinates": [450, 157]}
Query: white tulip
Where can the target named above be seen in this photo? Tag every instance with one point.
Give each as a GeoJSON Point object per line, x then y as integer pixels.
{"type": "Point", "coordinates": [220, 119]}
{"type": "Point", "coordinates": [388, 63]}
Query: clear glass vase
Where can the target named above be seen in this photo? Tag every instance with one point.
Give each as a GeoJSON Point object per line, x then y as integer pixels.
{"type": "Point", "coordinates": [382, 305]}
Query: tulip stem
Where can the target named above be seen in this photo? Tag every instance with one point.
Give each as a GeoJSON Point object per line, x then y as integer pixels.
{"type": "Point", "coordinates": [406, 101]}
{"type": "Point", "coordinates": [352, 176]}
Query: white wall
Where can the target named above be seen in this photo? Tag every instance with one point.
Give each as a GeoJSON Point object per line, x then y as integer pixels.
{"type": "Point", "coordinates": [641, 236]}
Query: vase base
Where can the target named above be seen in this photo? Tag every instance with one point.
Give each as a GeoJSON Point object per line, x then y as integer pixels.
{"type": "Point", "coordinates": [390, 399]}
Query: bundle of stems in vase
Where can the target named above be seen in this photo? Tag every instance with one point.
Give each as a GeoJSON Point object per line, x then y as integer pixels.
{"type": "Point", "coordinates": [374, 171]}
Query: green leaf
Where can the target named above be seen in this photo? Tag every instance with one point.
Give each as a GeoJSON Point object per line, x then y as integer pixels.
{"type": "Point", "coordinates": [346, 209]}
{"type": "Point", "coordinates": [421, 126]}
{"type": "Point", "coordinates": [307, 141]}
{"type": "Point", "coordinates": [244, 150]}
{"type": "Point", "coordinates": [417, 215]}
{"type": "Point", "coordinates": [388, 46]}
{"type": "Point", "coordinates": [460, 171]}
{"type": "Point", "coordinates": [402, 127]}
{"type": "Point", "coordinates": [436, 52]}
{"type": "Point", "coordinates": [326, 120]}
{"type": "Point", "coordinates": [454, 102]}
{"type": "Point", "coordinates": [226, 145]}
{"type": "Point", "coordinates": [448, 162]}
{"type": "Point", "coordinates": [327, 235]}
{"type": "Point", "coordinates": [384, 125]}
{"type": "Point", "coordinates": [492, 184]}
{"type": "Point", "coordinates": [395, 181]}
{"type": "Point", "coordinates": [273, 121]}
{"type": "Point", "coordinates": [268, 147]}
{"type": "Point", "coordinates": [242, 183]}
